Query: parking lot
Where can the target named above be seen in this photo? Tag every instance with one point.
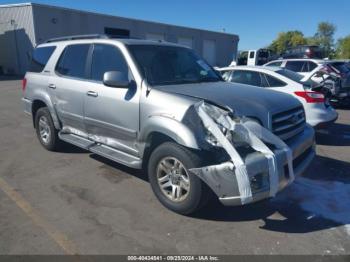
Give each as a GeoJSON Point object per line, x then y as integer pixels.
{"type": "Point", "coordinates": [77, 202]}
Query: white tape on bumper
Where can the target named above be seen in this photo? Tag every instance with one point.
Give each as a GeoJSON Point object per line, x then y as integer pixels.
{"type": "Point", "coordinates": [253, 134]}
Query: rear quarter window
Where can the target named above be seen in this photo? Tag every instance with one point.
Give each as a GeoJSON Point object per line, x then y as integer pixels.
{"type": "Point", "coordinates": [312, 66]}
{"type": "Point", "coordinates": [274, 82]}
{"type": "Point", "coordinates": [40, 57]}
{"type": "Point", "coordinates": [296, 66]}
{"type": "Point", "coordinates": [72, 62]}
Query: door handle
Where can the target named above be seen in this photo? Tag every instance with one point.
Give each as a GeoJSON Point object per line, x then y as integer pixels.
{"type": "Point", "coordinates": [92, 93]}
{"type": "Point", "coordinates": [52, 86]}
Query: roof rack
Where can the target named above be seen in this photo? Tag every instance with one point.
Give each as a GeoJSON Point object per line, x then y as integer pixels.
{"type": "Point", "coordinates": [81, 37]}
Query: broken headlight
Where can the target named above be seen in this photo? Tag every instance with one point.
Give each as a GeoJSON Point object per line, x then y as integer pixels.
{"type": "Point", "coordinates": [221, 118]}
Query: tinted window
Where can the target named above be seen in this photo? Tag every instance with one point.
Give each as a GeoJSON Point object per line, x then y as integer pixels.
{"type": "Point", "coordinates": [312, 66]}
{"type": "Point", "coordinates": [107, 58]}
{"type": "Point", "coordinates": [251, 54]}
{"type": "Point", "coordinates": [246, 77]}
{"type": "Point", "coordinates": [297, 78]}
{"type": "Point", "coordinates": [167, 65]}
{"type": "Point", "coordinates": [295, 66]}
{"type": "Point", "coordinates": [274, 82]}
{"type": "Point", "coordinates": [290, 74]}
{"type": "Point", "coordinates": [73, 60]}
{"type": "Point", "coordinates": [40, 57]}
{"type": "Point", "coordinates": [275, 64]}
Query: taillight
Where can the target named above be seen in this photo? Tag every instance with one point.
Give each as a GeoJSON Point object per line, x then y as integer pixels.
{"type": "Point", "coordinates": [24, 84]}
{"type": "Point", "coordinates": [311, 97]}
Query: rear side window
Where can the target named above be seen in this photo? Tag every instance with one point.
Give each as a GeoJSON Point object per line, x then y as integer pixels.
{"type": "Point", "coordinates": [252, 54]}
{"type": "Point", "coordinates": [247, 77]}
{"type": "Point", "coordinates": [296, 66]}
{"type": "Point", "coordinates": [73, 61]}
{"type": "Point", "coordinates": [40, 57]}
{"type": "Point", "coordinates": [107, 58]}
{"type": "Point", "coordinates": [275, 64]}
{"type": "Point", "coordinates": [273, 81]}
{"type": "Point", "coordinates": [312, 66]}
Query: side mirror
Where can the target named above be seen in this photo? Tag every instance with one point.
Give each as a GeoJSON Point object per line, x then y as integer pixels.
{"type": "Point", "coordinates": [116, 79]}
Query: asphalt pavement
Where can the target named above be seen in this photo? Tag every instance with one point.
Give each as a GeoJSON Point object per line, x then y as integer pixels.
{"type": "Point", "coordinates": [77, 202]}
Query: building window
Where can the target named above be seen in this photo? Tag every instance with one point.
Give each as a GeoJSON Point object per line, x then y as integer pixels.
{"type": "Point", "coordinates": [186, 41]}
{"type": "Point", "coordinates": [117, 31]}
{"type": "Point", "coordinates": [209, 51]}
{"type": "Point", "coordinates": [156, 37]}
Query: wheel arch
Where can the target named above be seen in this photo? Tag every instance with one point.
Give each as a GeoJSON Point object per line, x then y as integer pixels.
{"type": "Point", "coordinates": [160, 129]}
{"type": "Point", "coordinates": [43, 100]}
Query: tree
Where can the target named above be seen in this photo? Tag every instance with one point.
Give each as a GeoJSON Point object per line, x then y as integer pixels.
{"type": "Point", "coordinates": [287, 40]}
{"type": "Point", "coordinates": [324, 37]}
{"type": "Point", "coordinates": [343, 48]}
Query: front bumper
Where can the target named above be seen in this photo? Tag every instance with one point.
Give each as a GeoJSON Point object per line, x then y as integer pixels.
{"type": "Point", "coordinates": [303, 148]}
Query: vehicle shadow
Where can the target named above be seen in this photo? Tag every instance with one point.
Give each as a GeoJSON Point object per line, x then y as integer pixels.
{"type": "Point", "coordinates": [336, 135]}
{"type": "Point", "coordinates": [319, 200]}
{"type": "Point", "coordinates": [316, 201]}
{"type": "Point", "coordinates": [71, 149]}
{"type": "Point", "coordinates": [10, 77]}
{"type": "Point", "coordinates": [140, 174]}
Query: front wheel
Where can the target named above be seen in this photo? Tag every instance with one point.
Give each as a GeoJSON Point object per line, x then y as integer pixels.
{"type": "Point", "coordinates": [172, 183]}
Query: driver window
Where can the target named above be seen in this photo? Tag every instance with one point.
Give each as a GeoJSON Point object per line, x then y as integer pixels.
{"type": "Point", "coordinates": [107, 58]}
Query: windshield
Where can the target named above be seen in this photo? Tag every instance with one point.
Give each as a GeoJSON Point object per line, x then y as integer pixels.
{"type": "Point", "coordinates": [296, 77]}
{"type": "Point", "coordinates": [167, 65]}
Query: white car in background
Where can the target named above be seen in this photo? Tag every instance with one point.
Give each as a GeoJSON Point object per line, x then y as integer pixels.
{"type": "Point", "coordinates": [318, 112]}
{"type": "Point", "coordinates": [300, 66]}
{"type": "Point", "coordinates": [307, 67]}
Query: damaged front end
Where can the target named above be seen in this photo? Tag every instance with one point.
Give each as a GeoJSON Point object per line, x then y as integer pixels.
{"type": "Point", "coordinates": [259, 163]}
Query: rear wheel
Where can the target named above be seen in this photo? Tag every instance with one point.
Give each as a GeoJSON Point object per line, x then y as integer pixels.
{"type": "Point", "coordinates": [45, 130]}
{"type": "Point", "coordinates": [173, 184]}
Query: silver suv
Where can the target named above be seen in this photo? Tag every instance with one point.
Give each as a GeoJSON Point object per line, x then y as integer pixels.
{"type": "Point", "coordinates": [160, 107]}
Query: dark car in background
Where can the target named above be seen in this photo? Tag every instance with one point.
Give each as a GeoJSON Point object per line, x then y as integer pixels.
{"type": "Point", "coordinates": [305, 51]}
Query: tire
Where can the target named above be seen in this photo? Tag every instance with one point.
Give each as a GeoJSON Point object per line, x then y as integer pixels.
{"type": "Point", "coordinates": [195, 194]}
{"type": "Point", "coordinates": [44, 125]}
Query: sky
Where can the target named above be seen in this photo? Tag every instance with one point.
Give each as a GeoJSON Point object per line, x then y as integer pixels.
{"type": "Point", "coordinates": [256, 22]}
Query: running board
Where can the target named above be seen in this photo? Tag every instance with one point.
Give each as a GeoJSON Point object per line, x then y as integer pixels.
{"type": "Point", "coordinates": [102, 150]}
{"type": "Point", "coordinates": [117, 156]}
{"type": "Point", "coordinates": [76, 140]}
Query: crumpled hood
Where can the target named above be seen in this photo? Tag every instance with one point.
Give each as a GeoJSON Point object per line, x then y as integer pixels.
{"type": "Point", "coordinates": [245, 100]}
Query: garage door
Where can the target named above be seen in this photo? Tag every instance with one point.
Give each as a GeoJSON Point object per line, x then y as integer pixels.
{"type": "Point", "coordinates": [151, 36]}
{"type": "Point", "coordinates": [209, 51]}
{"type": "Point", "coordinates": [185, 41]}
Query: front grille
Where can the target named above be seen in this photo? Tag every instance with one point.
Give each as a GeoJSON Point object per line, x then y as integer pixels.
{"type": "Point", "coordinates": [288, 123]}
